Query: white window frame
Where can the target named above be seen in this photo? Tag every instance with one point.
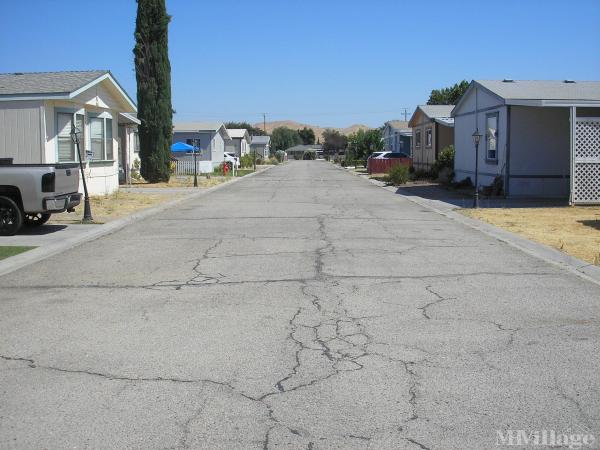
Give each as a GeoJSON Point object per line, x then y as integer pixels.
{"type": "Point", "coordinates": [106, 140]}
{"type": "Point", "coordinates": [73, 114]}
{"type": "Point", "coordinates": [428, 137]}
{"type": "Point", "coordinates": [493, 159]}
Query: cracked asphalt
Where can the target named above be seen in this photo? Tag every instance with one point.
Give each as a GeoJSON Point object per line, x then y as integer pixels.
{"type": "Point", "coordinates": [300, 308]}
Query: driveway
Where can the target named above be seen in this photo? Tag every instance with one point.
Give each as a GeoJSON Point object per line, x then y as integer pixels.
{"type": "Point", "coordinates": [300, 308]}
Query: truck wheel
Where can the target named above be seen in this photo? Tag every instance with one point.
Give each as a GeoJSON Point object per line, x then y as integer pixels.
{"type": "Point", "coordinates": [36, 219]}
{"type": "Point", "coordinates": [11, 217]}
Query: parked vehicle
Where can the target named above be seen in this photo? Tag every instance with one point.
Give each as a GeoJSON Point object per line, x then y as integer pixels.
{"type": "Point", "coordinates": [30, 193]}
{"type": "Point", "coordinates": [393, 155]}
{"type": "Point", "coordinates": [231, 158]}
{"type": "Point", "coordinates": [374, 155]}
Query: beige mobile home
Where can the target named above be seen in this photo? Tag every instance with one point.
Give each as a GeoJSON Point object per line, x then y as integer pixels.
{"type": "Point", "coordinates": [433, 130]}
{"type": "Point", "coordinates": [38, 110]}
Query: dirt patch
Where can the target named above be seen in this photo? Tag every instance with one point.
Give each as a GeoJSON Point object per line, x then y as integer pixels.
{"type": "Point", "coordinates": [573, 230]}
{"type": "Point", "coordinates": [114, 206]}
{"type": "Point", "coordinates": [183, 181]}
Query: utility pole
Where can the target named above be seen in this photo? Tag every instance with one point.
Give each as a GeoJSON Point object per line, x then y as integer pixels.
{"type": "Point", "coordinates": [405, 114]}
{"type": "Point", "coordinates": [265, 123]}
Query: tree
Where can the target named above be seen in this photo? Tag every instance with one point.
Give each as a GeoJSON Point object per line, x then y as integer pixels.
{"type": "Point", "coordinates": [333, 141]}
{"type": "Point", "coordinates": [283, 138]}
{"type": "Point", "coordinates": [449, 95]}
{"type": "Point", "coordinates": [153, 75]}
{"type": "Point", "coordinates": [362, 143]}
{"type": "Point", "coordinates": [252, 131]}
{"type": "Point", "coordinates": [307, 135]}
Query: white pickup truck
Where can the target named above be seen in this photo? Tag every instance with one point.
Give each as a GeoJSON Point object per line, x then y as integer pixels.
{"type": "Point", "coordinates": [30, 193]}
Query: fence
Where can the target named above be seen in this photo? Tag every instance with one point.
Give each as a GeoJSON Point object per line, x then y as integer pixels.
{"type": "Point", "coordinates": [186, 167]}
{"type": "Point", "coordinates": [375, 165]}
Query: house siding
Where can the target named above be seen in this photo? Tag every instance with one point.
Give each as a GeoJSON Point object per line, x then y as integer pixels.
{"type": "Point", "coordinates": [206, 142]}
{"type": "Point", "coordinates": [102, 177]}
{"type": "Point", "coordinates": [21, 124]}
{"type": "Point", "coordinates": [465, 123]}
{"type": "Point", "coordinates": [540, 146]}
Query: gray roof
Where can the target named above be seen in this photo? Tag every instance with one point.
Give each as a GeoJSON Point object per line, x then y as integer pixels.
{"type": "Point", "coordinates": [197, 126]}
{"type": "Point", "coordinates": [543, 90]}
{"type": "Point", "coordinates": [436, 111]}
{"type": "Point", "coordinates": [262, 140]}
{"type": "Point", "coordinates": [46, 82]}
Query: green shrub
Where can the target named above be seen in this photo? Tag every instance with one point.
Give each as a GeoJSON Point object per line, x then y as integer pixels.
{"type": "Point", "coordinates": [398, 174]}
{"type": "Point", "coordinates": [247, 160]}
{"type": "Point", "coordinates": [445, 159]}
{"type": "Point", "coordinates": [280, 155]}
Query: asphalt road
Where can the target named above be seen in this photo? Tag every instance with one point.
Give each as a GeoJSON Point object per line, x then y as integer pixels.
{"type": "Point", "coordinates": [301, 308]}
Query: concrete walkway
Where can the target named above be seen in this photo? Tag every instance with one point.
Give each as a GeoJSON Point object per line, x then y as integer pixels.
{"type": "Point", "coordinates": [300, 308]}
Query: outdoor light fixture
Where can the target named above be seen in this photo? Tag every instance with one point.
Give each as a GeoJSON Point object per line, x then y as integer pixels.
{"type": "Point", "coordinates": [195, 166]}
{"type": "Point", "coordinates": [87, 209]}
{"type": "Point", "coordinates": [476, 139]}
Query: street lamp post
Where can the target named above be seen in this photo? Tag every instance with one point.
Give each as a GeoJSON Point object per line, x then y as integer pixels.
{"type": "Point", "coordinates": [195, 167]}
{"type": "Point", "coordinates": [476, 139]}
{"type": "Point", "coordinates": [87, 209]}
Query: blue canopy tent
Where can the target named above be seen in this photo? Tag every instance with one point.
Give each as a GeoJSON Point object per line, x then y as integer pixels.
{"type": "Point", "coordinates": [183, 147]}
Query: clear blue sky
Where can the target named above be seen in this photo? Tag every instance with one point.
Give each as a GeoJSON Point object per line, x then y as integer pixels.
{"type": "Point", "coordinates": [325, 62]}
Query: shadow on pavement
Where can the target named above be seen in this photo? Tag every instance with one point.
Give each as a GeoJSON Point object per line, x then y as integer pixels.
{"type": "Point", "coordinates": [40, 230]}
{"type": "Point", "coordinates": [461, 199]}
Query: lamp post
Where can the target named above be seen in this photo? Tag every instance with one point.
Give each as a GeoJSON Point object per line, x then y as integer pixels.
{"type": "Point", "coordinates": [195, 167]}
{"type": "Point", "coordinates": [87, 209]}
{"type": "Point", "coordinates": [476, 139]}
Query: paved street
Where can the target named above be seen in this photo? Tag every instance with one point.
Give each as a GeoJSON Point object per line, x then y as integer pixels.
{"type": "Point", "coordinates": [301, 308]}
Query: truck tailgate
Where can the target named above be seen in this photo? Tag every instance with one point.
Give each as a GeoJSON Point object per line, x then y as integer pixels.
{"type": "Point", "coordinates": [67, 179]}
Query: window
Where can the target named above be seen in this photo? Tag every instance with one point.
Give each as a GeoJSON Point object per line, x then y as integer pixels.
{"type": "Point", "coordinates": [491, 136]}
{"type": "Point", "coordinates": [67, 150]}
{"type": "Point", "coordinates": [136, 142]}
{"type": "Point", "coordinates": [428, 137]}
{"type": "Point", "coordinates": [418, 138]}
{"type": "Point", "coordinates": [101, 138]}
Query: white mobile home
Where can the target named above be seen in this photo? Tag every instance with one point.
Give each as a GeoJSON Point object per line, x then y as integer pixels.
{"type": "Point", "coordinates": [261, 146]}
{"type": "Point", "coordinates": [38, 110]}
{"type": "Point", "coordinates": [541, 137]}
{"type": "Point", "coordinates": [239, 142]}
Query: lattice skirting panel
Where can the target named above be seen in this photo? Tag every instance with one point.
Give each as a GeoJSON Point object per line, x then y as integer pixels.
{"type": "Point", "coordinates": [587, 139]}
{"type": "Point", "coordinates": [587, 183]}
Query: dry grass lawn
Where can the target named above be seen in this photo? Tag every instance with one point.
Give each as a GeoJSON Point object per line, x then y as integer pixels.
{"type": "Point", "coordinates": [184, 181]}
{"type": "Point", "coordinates": [573, 230]}
{"type": "Point", "coordinates": [111, 207]}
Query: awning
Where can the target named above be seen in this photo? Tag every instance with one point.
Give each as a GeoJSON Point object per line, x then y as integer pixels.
{"type": "Point", "coordinates": [182, 147]}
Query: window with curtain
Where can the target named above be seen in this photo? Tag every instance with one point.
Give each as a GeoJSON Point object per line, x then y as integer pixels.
{"type": "Point", "coordinates": [97, 138]}
{"type": "Point", "coordinates": [428, 137]}
{"type": "Point", "coordinates": [109, 154]}
{"type": "Point", "coordinates": [66, 147]}
{"type": "Point", "coordinates": [492, 136]}
{"type": "Point", "coordinates": [418, 138]}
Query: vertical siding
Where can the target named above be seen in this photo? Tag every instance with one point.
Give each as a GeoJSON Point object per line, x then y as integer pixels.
{"type": "Point", "coordinates": [20, 131]}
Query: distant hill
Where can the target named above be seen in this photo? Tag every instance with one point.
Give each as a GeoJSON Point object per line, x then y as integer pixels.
{"type": "Point", "coordinates": [317, 129]}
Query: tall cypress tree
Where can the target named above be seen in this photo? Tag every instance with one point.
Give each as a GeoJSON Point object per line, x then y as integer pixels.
{"type": "Point", "coordinates": [153, 75]}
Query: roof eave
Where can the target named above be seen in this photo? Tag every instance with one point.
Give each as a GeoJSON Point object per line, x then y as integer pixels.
{"type": "Point", "coordinates": [106, 76]}
{"type": "Point", "coordinates": [552, 103]}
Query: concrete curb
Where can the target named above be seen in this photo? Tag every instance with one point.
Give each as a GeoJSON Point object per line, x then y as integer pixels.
{"type": "Point", "coordinates": [550, 255]}
{"type": "Point", "coordinates": [16, 262]}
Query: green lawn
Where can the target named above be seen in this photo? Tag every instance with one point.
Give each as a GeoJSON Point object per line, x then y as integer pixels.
{"type": "Point", "coordinates": [242, 172]}
{"type": "Point", "coordinates": [12, 250]}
